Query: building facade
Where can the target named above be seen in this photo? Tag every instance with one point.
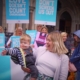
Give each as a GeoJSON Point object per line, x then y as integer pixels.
{"type": "Point", "coordinates": [67, 19]}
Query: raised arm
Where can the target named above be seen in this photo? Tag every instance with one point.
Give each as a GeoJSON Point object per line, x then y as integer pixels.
{"type": "Point", "coordinates": [10, 51]}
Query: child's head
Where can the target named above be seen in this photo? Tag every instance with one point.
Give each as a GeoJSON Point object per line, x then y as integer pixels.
{"type": "Point", "coordinates": [25, 41]}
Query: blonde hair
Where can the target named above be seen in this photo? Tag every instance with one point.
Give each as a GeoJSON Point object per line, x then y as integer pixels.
{"type": "Point", "coordinates": [44, 27]}
{"type": "Point", "coordinates": [2, 30]}
{"type": "Point", "coordinates": [25, 37]}
{"type": "Point", "coordinates": [58, 44]}
{"type": "Point", "coordinates": [39, 27]}
{"type": "Point", "coordinates": [16, 30]}
{"type": "Point", "coordinates": [64, 34]}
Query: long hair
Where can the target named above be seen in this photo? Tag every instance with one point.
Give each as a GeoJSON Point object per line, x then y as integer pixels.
{"type": "Point", "coordinates": [76, 42]}
{"type": "Point", "coordinates": [58, 44]}
{"type": "Point", "coordinates": [64, 34]}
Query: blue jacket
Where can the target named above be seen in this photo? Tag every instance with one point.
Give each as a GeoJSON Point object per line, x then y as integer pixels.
{"type": "Point", "coordinates": [75, 58]}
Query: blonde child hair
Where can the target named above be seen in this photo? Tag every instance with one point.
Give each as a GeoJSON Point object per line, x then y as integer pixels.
{"type": "Point", "coordinates": [25, 37]}
{"type": "Point", "coordinates": [58, 43]}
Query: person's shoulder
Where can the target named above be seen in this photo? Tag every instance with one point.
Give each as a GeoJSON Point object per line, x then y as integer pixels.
{"type": "Point", "coordinates": [64, 57]}
{"type": "Point", "coordinates": [39, 49]}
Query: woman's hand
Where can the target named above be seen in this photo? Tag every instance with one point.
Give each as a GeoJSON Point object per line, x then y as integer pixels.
{"type": "Point", "coordinates": [26, 69]}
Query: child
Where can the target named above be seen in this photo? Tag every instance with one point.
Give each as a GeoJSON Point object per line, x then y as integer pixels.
{"type": "Point", "coordinates": [23, 55]}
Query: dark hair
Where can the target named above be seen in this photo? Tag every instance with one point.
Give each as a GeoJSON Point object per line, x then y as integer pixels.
{"type": "Point", "coordinates": [76, 42]}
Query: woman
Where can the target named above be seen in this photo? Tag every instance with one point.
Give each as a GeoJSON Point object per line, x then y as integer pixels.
{"type": "Point", "coordinates": [41, 37]}
{"type": "Point", "coordinates": [51, 61]}
{"type": "Point", "coordinates": [39, 27]}
{"type": "Point", "coordinates": [18, 32]}
{"type": "Point", "coordinates": [44, 30]}
{"type": "Point", "coordinates": [66, 43]}
{"type": "Point", "coordinates": [75, 58]}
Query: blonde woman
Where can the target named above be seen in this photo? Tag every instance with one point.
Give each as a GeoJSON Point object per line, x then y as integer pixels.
{"type": "Point", "coordinates": [51, 61]}
{"type": "Point", "coordinates": [44, 30]}
{"type": "Point", "coordinates": [66, 42]}
{"type": "Point", "coordinates": [64, 36]}
{"type": "Point", "coordinates": [18, 32]}
{"type": "Point", "coordinates": [39, 27]}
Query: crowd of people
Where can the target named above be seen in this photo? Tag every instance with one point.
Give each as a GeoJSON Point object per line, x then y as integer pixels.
{"type": "Point", "coordinates": [49, 62]}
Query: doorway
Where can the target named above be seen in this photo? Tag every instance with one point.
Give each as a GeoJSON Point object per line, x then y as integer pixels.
{"type": "Point", "coordinates": [65, 22]}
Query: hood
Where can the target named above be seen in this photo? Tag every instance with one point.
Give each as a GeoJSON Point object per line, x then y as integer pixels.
{"type": "Point", "coordinates": [77, 33]}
